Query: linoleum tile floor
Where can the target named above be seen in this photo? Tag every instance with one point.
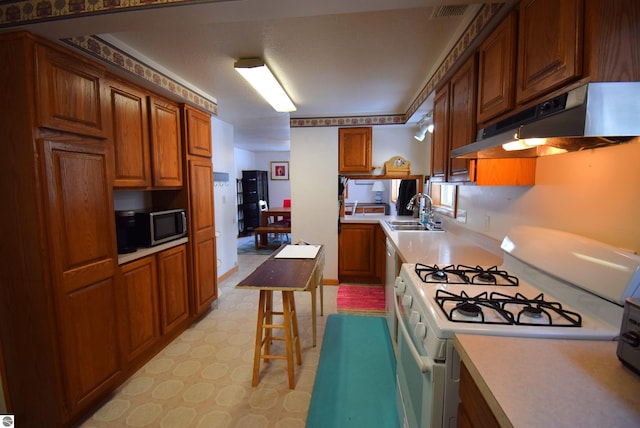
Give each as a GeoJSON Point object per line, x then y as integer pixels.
{"type": "Point", "coordinates": [203, 378]}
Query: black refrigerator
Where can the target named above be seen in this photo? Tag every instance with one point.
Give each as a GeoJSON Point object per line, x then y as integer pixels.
{"type": "Point", "coordinates": [255, 187]}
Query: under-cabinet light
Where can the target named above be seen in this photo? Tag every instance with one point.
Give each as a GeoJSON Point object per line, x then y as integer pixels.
{"type": "Point", "coordinates": [523, 144]}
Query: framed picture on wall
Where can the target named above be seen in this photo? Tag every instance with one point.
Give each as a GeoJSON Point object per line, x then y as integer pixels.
{"type": "Point", "coordinates": [279, 170]}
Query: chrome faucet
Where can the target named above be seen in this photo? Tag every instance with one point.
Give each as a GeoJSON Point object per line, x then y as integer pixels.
{"type": "Point", "coordinates": [421, 211]}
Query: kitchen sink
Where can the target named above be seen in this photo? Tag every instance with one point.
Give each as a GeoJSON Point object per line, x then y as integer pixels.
{"type": "Point", "coordinates": [400, 225]}
{"type": "Point", "coordinates": [404, 223]}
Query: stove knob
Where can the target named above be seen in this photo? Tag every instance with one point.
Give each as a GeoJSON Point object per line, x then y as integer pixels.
{"type": "Point", "coordinates": [399, 286]}
{"type": "Point", "coordinates": [420, 330]}
{"type": "Point", "coordinates": [407, 300]}
{"type": "Point", "coordinates": [414, 318]}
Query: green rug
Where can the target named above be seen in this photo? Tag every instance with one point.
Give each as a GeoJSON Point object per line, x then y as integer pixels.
{"type": "Point", "coordinates": [355, 382]}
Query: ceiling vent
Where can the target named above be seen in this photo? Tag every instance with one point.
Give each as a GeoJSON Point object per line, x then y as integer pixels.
{"type": "Point", "coordinates": [449, 11]}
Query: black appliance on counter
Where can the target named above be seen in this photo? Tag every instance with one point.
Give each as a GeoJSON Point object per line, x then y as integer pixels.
{"type": "Point", "coordinates": [126, 231]}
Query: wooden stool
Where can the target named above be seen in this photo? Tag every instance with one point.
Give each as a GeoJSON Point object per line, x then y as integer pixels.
{"type": "Point", "coordinates": [263, 339]}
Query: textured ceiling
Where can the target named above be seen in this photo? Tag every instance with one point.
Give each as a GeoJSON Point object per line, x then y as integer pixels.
{"type": "Point", "coordinates": [335, 58]}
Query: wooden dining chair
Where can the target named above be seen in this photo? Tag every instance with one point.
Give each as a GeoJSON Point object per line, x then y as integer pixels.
{"type": "Point", "coordinates": [264, 207]}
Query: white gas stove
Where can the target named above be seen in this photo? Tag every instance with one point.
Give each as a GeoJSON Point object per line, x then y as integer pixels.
{"type": "Point", "coordinates": [551, 284]}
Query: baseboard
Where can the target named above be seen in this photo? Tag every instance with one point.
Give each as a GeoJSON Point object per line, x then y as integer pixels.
{"type": "Point", "coordinates": [228, 273]}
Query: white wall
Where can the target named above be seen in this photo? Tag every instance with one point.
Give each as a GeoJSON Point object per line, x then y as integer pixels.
{"type": "Point", "coordinates": [397, 140]}
{"type": "Point", "coordinates": [244, 159]}
{"type": "Point", "coordinates": [593, 193]}
{"type": "Point", "coordinates": [314, 179]}
{"type": "Point", "coordinates": [314, 191]}
{"type": "Point", "coordinates": [279, 190]}
{"type": "Point", "coordinates": [224, 196]}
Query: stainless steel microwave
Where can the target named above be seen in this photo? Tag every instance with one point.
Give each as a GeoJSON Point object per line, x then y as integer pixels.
{"type": "Point", "coordinates": [157, 227]}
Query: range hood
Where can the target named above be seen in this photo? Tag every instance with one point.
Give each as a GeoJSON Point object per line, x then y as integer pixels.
{"type": "Point", "coordinates": [593, 115]}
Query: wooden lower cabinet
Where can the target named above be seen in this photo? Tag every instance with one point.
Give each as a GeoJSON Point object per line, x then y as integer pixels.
{"type": "Point", "coordinates": [174, 295]}
{"type": "Point", "coordinates": [83, 254]}
{"type": "Point", "coordinates": [153, 302]}
{"type": "Point", "coordinates": [473, 410]}
{"type": "Point", "coordinates": [202, 239]}
{"type": "Point", "coordinates": [139, 311]}
{"type": "Point", "coordinates": [361, 253]}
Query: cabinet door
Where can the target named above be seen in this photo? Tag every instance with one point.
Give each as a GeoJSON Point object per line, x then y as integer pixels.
{"type": "Point", "coordinates": [172, 280]}
{"type": "Point", "coordinates": [354, 150]}
{"type": "Point", "coordinates": [549, 46]}
{"type": "Point", "coordinates": [68, 94]}
{"type": "Point", "coordinates": [496, 70]}
{"type": "Point", "coordinates": [473, 410]}
{"type": "Point", "coordinates": [198, 132]}
{"type": "Point", "coordinates": [202, 237]}
{"type": "Point", "coordinates": [612, 32]}
{"type": "Point", "coordinates": [165, 143]}
{"type": "Point", "coordinates": [462, 129]}
{"type": "Point", "coordinates": [84, 259]}
{"type": "Point", "coordinates": [138, 309]}
{"type": "Point", "coordinates": [130, 135]}
{"type": "Point", "coordinates": [357, 257]}
{"type": "Point", "coordinates": [440, 138]}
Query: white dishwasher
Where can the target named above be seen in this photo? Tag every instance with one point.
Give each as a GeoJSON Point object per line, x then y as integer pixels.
{"type": "Point", "coordinates": [389, 289]}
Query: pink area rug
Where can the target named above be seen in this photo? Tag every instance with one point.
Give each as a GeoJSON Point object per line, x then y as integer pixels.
{"type": "Point", "coordinates": [361, 299]}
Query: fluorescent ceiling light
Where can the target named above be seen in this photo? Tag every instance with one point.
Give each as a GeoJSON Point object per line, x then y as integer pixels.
{"type": "Point", "coordinates": [256, 72]}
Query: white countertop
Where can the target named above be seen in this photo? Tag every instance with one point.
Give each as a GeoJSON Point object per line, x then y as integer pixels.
{"type": "Point", "coordinates": [453, 245]}
{"type": "Point", "coordinates": [144, 252]}
{"type": "Point", "coordinates": [546, 382]}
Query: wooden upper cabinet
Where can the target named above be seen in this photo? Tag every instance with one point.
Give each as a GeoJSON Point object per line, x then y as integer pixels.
{"type": "Point", "coordinates": [440, 137]}
{"type": "Point", "coordinates": [68, 94]}
{"type": "Point", "coordinates": [462, 116]}
{"type": "Point", "coordinates": [354, 150]}
{"type": "Point", "coordinates": [130, 135]}
{"type": "Point", "coordinates": [166, 154]}
{"type": "Point", "coordinates": [549, 46]}
{"type": "Point", "coordinates": [612, 32]}
{"type": "Point", "coordinates": [497, 70]}
{"type": "Point", "coordinates": [454, 110]}
{"type": "Point", "coordinates": [197, 132]}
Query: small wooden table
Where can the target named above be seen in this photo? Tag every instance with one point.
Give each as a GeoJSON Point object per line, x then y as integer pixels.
{"type": "Point", "coordinates": [286, 275]}
{"type": "Point", "coordinates": [284, 213]}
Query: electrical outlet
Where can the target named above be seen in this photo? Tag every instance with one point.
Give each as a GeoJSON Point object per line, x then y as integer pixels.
{"type": "Point", "coordinates": [487, 223]}
{"type": "Point", "coordinates": [461, 216]}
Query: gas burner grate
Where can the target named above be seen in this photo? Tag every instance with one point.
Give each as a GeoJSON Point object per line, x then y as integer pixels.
{"type": "Point", "coordinates": [462, 274]}
{"type": "Point", "coordinates": [491, 276]}
{"type": "Point", "coordinates": [472, 309]}
{"type": "Point", "coordinates": [536, 309]}
{"type": "Point", "coordinates": [435, 274]}
{"type": "Point", "coordinates": [499, 308]}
